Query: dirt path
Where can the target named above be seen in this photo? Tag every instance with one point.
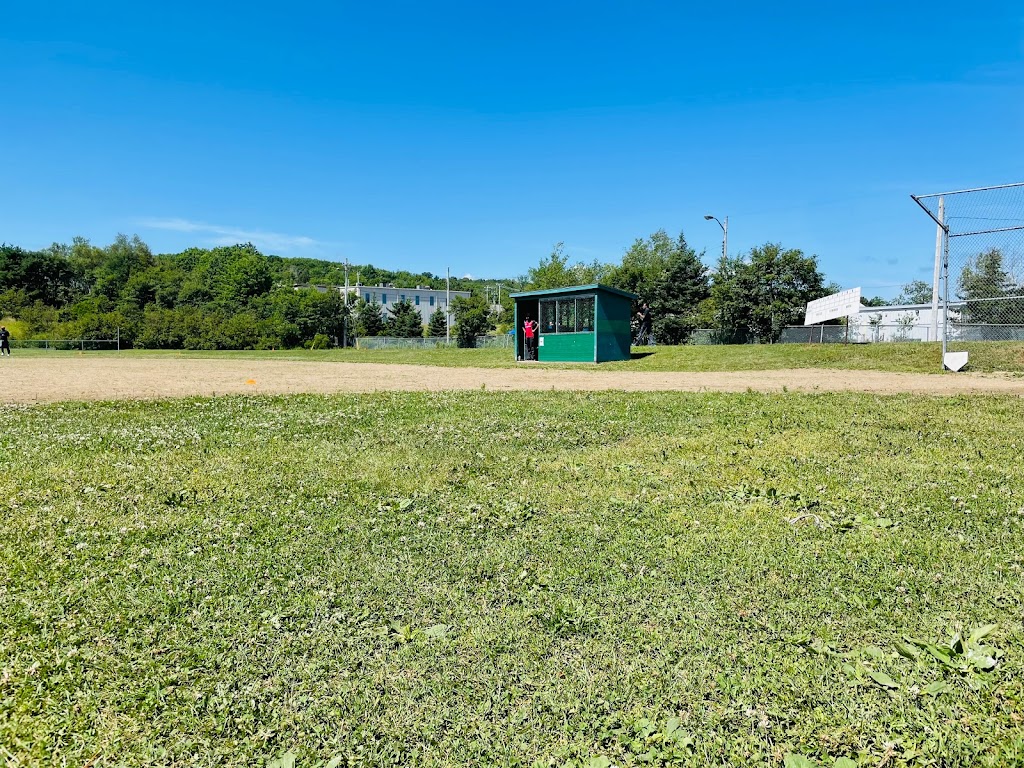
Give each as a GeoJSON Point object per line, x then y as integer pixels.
{"type": "Point", "coordinates": [41, 379]}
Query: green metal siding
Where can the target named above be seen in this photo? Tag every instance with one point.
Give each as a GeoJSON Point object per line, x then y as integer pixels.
{"type": "Point", "coordinates": [610, 339]}
{"type": "Point", "coordinates": [612, 324]}
{"type": "Point", "coordinates": [566, 348]}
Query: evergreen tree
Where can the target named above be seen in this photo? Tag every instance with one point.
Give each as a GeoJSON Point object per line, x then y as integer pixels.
{"type": "Point", "coordinates": [670, 277]}
{"type": "Point", "coordinates": [405, 321]}
{"type": "Point", "coordinates": [438, 325]}
{"type": "Point", "coordinates": [369, 318]}
{"type": "Point", "coordinates": [678, 291]}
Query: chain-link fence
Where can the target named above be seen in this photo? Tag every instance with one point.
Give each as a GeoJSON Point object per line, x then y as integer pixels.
{"type": "Point", "coordinates": [505, 341]}
{"type": "Point", "coordinates": [863, 333]}
{"type": "Point", "coordinates": [978, 283]}
{"type": "Point", "coordinates": [82, 345]}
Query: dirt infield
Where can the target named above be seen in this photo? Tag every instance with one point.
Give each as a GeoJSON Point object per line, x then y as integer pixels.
{"type": "Point", "coordinates": [41, 379]}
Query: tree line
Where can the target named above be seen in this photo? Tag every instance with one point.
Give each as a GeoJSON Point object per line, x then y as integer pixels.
{"type": "Point", "coordinates": [745, 298]}
{"type": "Point", "coordinates": [989, 292]}
{"type": "Point", "coordinates": [236, 297]}
{"type": "Point", "coordinates": [232, 297]}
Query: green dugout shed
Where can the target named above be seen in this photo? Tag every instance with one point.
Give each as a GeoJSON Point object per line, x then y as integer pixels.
{"type": "Point", "coordinates": [581, 323]}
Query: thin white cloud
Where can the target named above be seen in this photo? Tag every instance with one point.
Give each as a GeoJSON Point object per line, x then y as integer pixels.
{"type": "Point", "coordinates": [273, 242]}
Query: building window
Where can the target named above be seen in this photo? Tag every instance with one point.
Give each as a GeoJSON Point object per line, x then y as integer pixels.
{"type": "Point", "coordinates": [417, 299]}
{"type": "Point", "coordinates": [402, 298]}
{"type": "Point", "coordinates": [383, 298]}
{"type": "Point", "coordinates": [366, 298]}
{"type": "Point", "coordinates": [431, 301]}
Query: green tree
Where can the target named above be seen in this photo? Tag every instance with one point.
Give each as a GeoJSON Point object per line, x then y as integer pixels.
{"type": "Point", "coordinates": [874, 301]}
{"type": "Point", "coordinates": [160, 329]}
{"type": "Point", "coordinates": [678, 292]}
{"type": "Point", "coordinates": [121, 259]}
{"type": "Point", "coordinates": [319, 314]}
{"type": "Point", "coordinates": [984, 277]}
{"type": "Point", "coordinates": [669, 276]}
{"type": "Point", "coordinates": [914, 292]}
{"type": "Point", "coordinates": [247, 275]}
{"type": "Point", "coordinates": [438, 325]}
{"type": "Point", "coordinates": [758, 295]}
{"type": "Point", "coordinates": [472, 319]}
{"type": "Point", "coordinates": [46, 276]}
{"type": "Point", "coordinates": [404, 321]}
{"type": "Point", "coordinates": [643, 264]}
{"type": "Point", "coordinates": [369, 318]}
{"type": "Point", "coordinates": [556, 272]}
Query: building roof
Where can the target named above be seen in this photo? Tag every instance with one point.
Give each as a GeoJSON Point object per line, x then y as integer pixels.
{"type": "Point", "coordinates": [574, 289]}
{"type": "Point", "coordinates": [906, 307]}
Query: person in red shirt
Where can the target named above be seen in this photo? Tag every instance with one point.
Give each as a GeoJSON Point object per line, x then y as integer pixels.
{"type": "Point", "coordinates": [530, 339]}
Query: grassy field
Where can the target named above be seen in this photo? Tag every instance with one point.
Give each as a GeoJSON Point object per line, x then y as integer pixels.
{"type": "Point", "coordinates": [517, 580]}
{"type": "Point", "coordinates": [915, 358]}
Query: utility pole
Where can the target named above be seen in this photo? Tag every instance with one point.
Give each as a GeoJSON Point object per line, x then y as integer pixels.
{"type": "Point", "coordinates": [448, 307]}
{"type": "Point", "coordinates": [344, 342]}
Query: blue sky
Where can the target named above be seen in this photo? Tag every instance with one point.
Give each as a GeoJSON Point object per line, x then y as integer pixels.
{"type": "Point", "coordinates": [475, 136]}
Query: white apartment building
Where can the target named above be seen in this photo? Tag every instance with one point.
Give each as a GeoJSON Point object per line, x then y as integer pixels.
{"type": "Point", "coordinates": [425, 300]}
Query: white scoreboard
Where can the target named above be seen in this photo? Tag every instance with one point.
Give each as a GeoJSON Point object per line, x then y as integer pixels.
{"type": "Point", "coordinates": [842, 304]}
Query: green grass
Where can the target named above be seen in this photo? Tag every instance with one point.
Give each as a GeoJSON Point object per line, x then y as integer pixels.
{"type": "Point", "coordinates": [518, 579]}
{"type": "Point", "coordinates": [919, 358]}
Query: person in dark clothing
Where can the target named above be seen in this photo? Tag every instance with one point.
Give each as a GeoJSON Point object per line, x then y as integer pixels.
{"type": "Point", "coordinates": [5, 341]}
{"type": "Point", "coordinates": [643, 334]}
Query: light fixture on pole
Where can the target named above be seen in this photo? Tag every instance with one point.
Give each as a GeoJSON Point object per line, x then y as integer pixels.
{"type": "Point", "coordinates": [725, 233]}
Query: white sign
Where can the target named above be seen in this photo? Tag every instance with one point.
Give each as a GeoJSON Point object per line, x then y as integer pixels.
{"type": "Point", "coordinates": [842, 304]}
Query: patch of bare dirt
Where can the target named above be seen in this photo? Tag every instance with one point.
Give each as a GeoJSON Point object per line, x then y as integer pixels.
{"type": "Point", "coordinates": [41, 379]}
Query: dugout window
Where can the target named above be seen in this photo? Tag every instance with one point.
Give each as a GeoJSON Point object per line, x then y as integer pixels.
{"type": "Point", "coordinates": [568, 315]}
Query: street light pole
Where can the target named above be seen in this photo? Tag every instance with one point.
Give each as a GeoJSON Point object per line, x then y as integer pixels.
{"type": "Point", "coordinates": [344, 331]}
{"type": "Point", "coordinates": [725, 233]}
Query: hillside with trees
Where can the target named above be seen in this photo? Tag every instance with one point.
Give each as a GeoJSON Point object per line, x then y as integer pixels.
{"type": "Point", "coordinates": [232, 297]}
{"type": "Point", "coordinates": [236, 297]}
